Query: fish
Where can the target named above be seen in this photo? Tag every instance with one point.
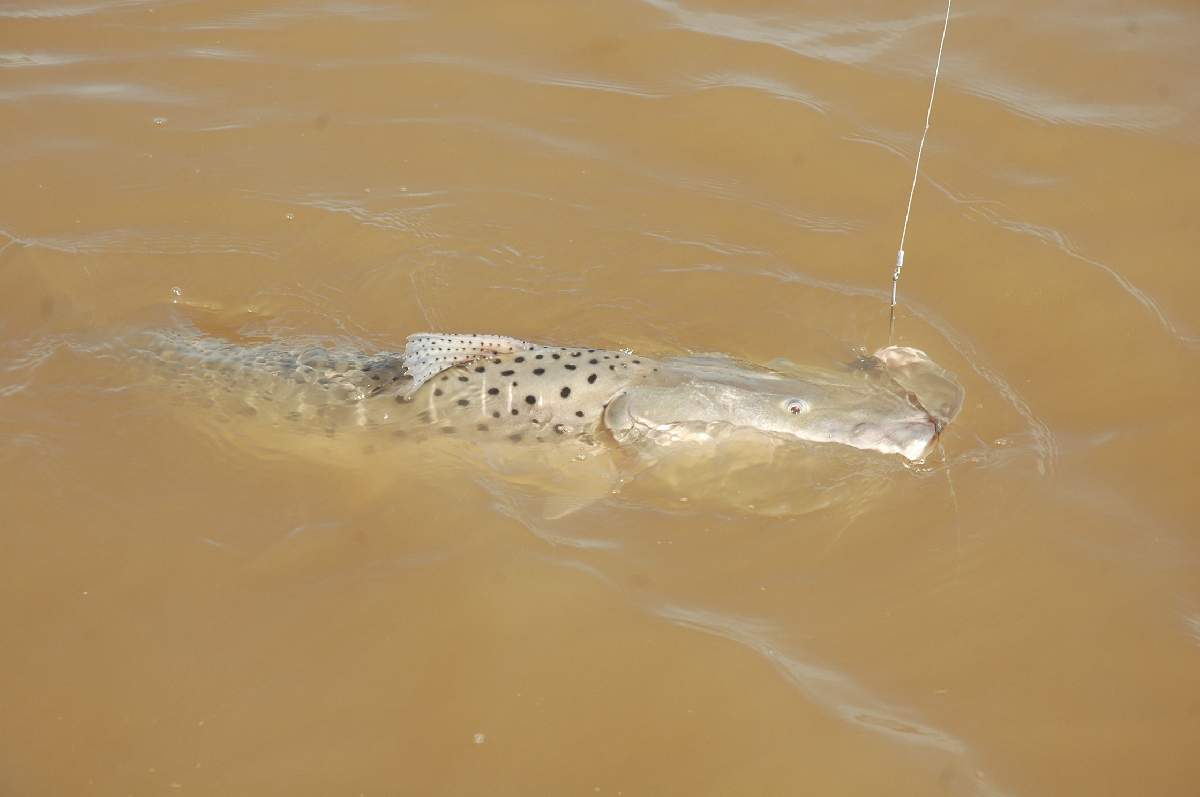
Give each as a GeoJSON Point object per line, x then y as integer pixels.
{"type": "Point", "coordinates": [896, 401]}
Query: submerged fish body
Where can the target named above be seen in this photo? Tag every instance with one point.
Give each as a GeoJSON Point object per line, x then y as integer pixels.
{"type": "Point", "coordinates": [895, 402]}
{"type": "Point", "coordinates": [500, 388]}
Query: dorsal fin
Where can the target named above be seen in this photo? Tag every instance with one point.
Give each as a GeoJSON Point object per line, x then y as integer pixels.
{"type": "Point", "coordinates": [430, 353]}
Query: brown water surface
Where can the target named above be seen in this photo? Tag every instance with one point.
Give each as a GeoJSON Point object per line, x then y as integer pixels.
{"type": "Point", "coordinates": [190, 604]}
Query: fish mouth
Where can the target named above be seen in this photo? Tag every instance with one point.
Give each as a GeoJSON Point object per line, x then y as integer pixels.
{"type": "Point", "coordinates": [929, 389]}
{"type": "Point", "coordinates": [916, 400]}
{"type": "Point", "coordinates": [911, 439]}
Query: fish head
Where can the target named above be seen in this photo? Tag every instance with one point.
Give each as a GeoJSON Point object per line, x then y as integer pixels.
{"type": "Point", "coordinates": [878, 406]}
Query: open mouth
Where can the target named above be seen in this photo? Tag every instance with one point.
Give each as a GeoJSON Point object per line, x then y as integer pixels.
{"type": "Point", "coordinates": [910, 439]}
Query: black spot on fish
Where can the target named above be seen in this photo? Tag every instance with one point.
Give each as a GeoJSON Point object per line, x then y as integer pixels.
{"type": "Point", "coordinates": [479, 369]}
{"type": "Point", "coordinates": [612, 367]}
{"type": "Point", "coordinates": [576, 353]}
{"type": "Point", "coordinates": [531, 399]}
{"type": "Point", "coordinates": [437, 391]}
{"type": "Point", "coordinates": [516, 438]}
{"type": "Point", "coordinates": [578, 413]}
{"type": "Point", "coordinates": [566, 391]}
{"type": "Point", "coordinates": [403, 399]}
{"type": "Point", "coordinates": [539, 371]}
{"type": "Point", "coordinates": [591, 379]}
{"type": "Point", "coordinates": [514, 412]}
{"type": "Point", "coordinates": [493, 391]}
{"type": "Point", "coordinates": [506, 373]}
{"type": "Point", "coordinates": [520, 359]}
{"type": "Point", "coordinates": [482, 427]}
{"type": "Point", "coordinates": [537, 356]}
{"type": "Point", "coordinates": [448, 430]}
{"type": "Point", "coordinates": [463, 402]}
{"type": "Point", "coordinates": [462, 379]}
{"type": "Point", "coordinates": [637, 362]}
{"type": "Point", "coordinates": [495, 361]}
{"type": "Point", "coordinates": [495, 413]}
{"type": "Point", "coordinates": [569, 367]}
{"type": "Point", "coordinates": [556, 356]}
{"type": "Point", "coordinates": [594, 361]}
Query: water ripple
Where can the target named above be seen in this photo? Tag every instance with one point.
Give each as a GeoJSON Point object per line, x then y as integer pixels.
{"type": "Point", "coordinates": [279, 17]}
{"type": "Point", "coordinates": [718, 247]}
{"type": "Point", "coordinates": [1045, 106]}
{"type": "Point", "coordinates": [840, 41]}
{"type": "Point", "coordinates": [103, 92]}
{"type": "Point", "coordinates": [831, 689]}
{"type": "Point", "coordinates": [51, 11]}
{"type": "Point", "coordinates": [1062, 242]}
{"type": "Point", "coordinates": [409, 218]}
{"type": "Point", "coordinates": [813, 222]}
{"type": "Point", "coordinates": [988, 210]}
{"type": "Point", "coordinates": [552, 141]}
{"type": "Point", "coordinates": [745, 80]}
{"type": "Point", "coordinates": [152, 242]}
{"type": "Point", "coordinates": [1045, 445]}
{"type": "Point", "coordinates": [861, 42]}
{"type": "Point", "coordinates": [1192, 623]}
{"type": "Point", "coordinates": [524, 73]}
{"type": "Point", "coordinates": [218, 54]}
{"type": "Point", "coordinates": [11, 60]}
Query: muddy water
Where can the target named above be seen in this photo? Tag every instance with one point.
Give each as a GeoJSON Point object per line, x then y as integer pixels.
{"type": "Point", "coordinates": [190, 604]}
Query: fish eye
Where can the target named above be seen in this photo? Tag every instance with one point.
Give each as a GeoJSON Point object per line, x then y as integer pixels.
{"type": "Point", "coordinates": [796, 406]}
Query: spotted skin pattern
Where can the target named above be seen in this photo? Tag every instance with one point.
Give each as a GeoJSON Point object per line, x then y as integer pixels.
{"type": "Point", "coordinates": [545, 391]}
{"type": "Point", "coordinates": [480, 385]}
{"type": "Point", "coordinates": [508, 389]}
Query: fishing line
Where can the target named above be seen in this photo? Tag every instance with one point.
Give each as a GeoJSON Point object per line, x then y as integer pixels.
{"type": "Point", "coordinates": [916, 172]}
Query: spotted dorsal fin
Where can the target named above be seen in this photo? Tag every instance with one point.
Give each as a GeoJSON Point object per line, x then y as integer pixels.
{"type": "Point", "coordinates": [430, 353]}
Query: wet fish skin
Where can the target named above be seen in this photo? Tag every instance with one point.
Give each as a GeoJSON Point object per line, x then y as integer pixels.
{"type": "Point", "coordinates": [505, 388]}
{"type": "Point", "coordinates": [534, 392]}
{"type": "Point", "coordinates": [538, 391]}
{"type": "Point", "coordinates": [873, 409]}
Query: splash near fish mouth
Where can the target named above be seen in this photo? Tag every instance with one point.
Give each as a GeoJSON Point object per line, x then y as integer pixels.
{"type": "Point", "coordinates": [500, 388]}
{"type": "Point", "coordinates": [926, 385]}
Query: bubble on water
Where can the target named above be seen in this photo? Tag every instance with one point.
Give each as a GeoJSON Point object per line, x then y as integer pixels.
{"type": "Point", "coordinates": [176, 292]}
{"type": "Point", "coordinates": [160, 120]}
{"type": "Point", "coordinates": [479, 738]}
{"type": "Point", "coordinates": [290, 216]}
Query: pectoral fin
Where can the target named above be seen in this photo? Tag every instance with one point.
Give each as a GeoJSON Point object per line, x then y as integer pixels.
{"type": "Point", "coordinates": [565, 477]}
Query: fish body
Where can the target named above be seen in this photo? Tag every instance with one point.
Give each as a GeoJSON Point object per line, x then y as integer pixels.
{"type": "Point", "coordinates": [537, 392]}
{"type": "Point", "coordinates": [499, 388]}
{"type": "Point", "coordinates": [896, 401]}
